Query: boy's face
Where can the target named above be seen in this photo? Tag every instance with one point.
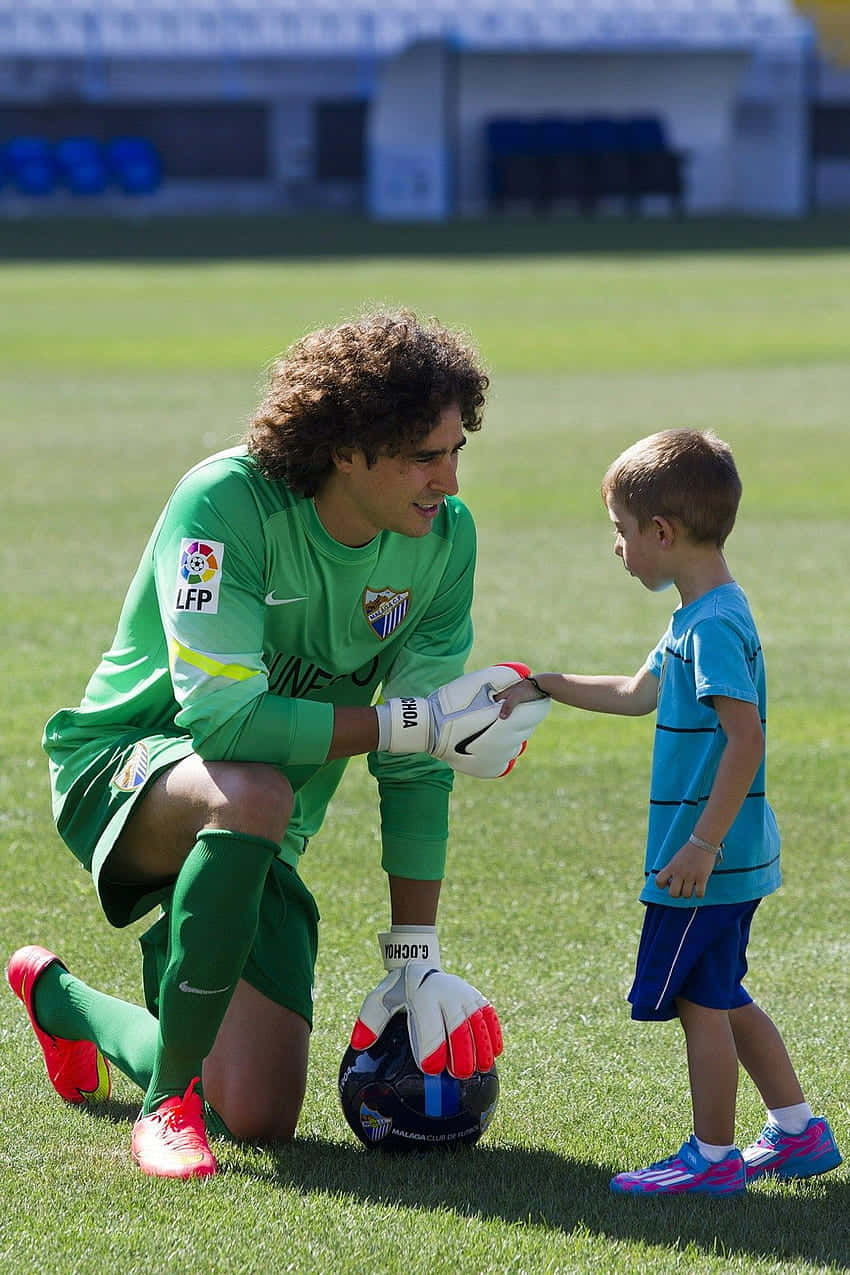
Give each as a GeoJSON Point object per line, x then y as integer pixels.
{"type": "Point", "coordinates": [645, 553]}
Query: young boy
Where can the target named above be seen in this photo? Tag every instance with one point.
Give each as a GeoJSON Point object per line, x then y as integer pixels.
{"type": "Point", "coordinates": [713, 844]}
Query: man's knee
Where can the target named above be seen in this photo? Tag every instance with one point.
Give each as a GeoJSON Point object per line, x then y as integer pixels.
{"type": "Point", "coordinates": [250, 797]}
{"type": "Point", "coordinates": [255, 1125]}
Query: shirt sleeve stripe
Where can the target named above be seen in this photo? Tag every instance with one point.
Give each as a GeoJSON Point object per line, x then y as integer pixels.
{"type": "Point", "coordinates": [213, 668]}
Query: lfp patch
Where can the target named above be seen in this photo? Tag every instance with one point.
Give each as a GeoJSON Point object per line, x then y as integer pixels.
{"type": "Point", "coordinates": [385, 609]}
{"type": "Point", "coordinates": [134, 772]}
{"type": "Point", "coordinates": [199, 576]}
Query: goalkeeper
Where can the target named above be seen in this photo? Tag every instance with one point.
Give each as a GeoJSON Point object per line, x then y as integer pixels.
{"type": "Point", "coordinates": [285, 583]}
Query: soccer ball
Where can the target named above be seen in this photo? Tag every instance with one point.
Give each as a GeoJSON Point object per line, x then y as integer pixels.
{"type": "Point", "coordinates": [390, 1104]}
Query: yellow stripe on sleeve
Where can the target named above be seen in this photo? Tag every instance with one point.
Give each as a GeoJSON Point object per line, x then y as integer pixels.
{"type": "Point", "coordinates": [235, 672]}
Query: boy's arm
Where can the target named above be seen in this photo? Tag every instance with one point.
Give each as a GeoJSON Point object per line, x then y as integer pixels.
{"type": "Point", "coordinates": [629, 696]}
{"type": "Point", "coordinates": [688, 871]}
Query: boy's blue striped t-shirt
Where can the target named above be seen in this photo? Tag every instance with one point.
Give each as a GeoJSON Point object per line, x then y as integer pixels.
{"type": "Point", "coordinates": [711, 647]}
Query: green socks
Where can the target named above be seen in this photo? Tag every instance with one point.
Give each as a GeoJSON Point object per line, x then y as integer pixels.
{"type": "Point", "coordinates": [212, 922]}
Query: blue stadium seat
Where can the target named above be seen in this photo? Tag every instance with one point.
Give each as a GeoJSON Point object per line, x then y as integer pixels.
{"type": "Point", "coordinates": [602, 134]}
{"type": "Point", "coordinates": [645, 133]}
{"type": "Point", "coordinates": [31, 165]}
{"type": "Point", "coordinates": [510, 136]}
{"type": "Point", "coordinates": [82, 165]}
{"type": "Point", "coordinates": [656, 168]}
{"type": "Point", "coordinates": [135, 164]}
{"type": "Point", "coordinates": [606, 146]}
{"type": "Point", "coordinates": [513, 152]}
{"type": "Point", "coordinates": [584, 160]}
{"type": "Point", "coordinates": [566, 173]}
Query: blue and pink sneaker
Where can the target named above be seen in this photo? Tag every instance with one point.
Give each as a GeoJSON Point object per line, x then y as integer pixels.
{"type": "Point", "coordinates": [777, 1154]}
{"type": "Point", "coordinates": [686, 1171]}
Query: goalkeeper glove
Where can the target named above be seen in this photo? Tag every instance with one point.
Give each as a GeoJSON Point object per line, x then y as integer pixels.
{"type": "Point", "coordinates": [451, 1025]}
{"type": "Point", "coordinates": [460, 723]}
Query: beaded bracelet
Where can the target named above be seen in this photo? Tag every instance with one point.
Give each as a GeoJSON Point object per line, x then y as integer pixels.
{"type": "Point", "coordinates": [538, 687]}
{"type": "Point", "coordinates": [717, 851]}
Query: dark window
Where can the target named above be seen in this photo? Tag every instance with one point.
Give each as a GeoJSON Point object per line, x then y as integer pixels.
{"type": "Point", "coordinates": [830, 124]}
{"type": "Point", "coordinates": [340, 140]}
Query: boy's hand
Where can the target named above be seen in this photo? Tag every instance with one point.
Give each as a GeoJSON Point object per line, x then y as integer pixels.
{"type": "Point", "coordinates": [686, 874]}
{"type": "Point", "coordinates": [523, 692]}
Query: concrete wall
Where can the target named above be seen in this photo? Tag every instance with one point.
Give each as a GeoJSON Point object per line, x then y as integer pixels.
{"type": "Point", "coordinates": [411, 136]}
{"type": "Point", "coordinates": [770, 153]}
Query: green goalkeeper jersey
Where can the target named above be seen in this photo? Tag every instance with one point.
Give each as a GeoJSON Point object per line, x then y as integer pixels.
{"type": "Point", "coordinates": [246, 622]}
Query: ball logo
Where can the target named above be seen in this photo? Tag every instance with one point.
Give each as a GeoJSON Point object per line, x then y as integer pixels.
{"type": "Point", "coordinates": [375, 1126]}
{"type": "Point", "coordinates": [199, 576]}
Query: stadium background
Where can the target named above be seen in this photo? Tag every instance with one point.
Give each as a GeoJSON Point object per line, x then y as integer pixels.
{"type": "Point", "coordinates": [384, 108]}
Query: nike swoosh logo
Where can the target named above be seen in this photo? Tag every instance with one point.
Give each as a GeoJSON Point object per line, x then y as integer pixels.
{"type": "Point", "coordinates": [272, 601]}
{"type": "Point", "coordinates": [185, 986]}
{"type": "Point", "coordinates": [101, 1089]}
{"type": "Point", "coordinates": [463, 746]}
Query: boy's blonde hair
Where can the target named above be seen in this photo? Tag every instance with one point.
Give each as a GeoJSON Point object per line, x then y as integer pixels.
{"type": "Point", "coordinates": [686, 474]}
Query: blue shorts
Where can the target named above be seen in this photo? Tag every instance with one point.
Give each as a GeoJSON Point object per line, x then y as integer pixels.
{"type": "Point", "coordinates": [699, 954]}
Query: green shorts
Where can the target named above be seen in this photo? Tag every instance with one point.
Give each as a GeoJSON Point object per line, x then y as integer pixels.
{"type": "Point", "coordinates": [96, 785]}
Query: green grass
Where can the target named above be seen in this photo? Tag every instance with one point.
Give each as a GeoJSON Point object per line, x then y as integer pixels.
{"type": "Point", "coordinates": [119, 374]}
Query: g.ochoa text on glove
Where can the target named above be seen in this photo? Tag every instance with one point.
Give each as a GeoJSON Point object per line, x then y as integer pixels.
{"type": "Point", "coordinates": [407, 951]}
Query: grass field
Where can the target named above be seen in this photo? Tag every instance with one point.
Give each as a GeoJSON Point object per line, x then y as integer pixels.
{"type": "Point", "coordinates": [117, 375]}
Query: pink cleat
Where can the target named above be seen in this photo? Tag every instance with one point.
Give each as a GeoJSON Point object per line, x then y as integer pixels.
{"type": "Point", "coordinates": [77, 1069]}
{"type": "Point", "coordinates": [172, 1142]}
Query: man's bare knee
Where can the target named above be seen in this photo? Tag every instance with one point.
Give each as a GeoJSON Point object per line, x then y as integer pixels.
{"type": "Point", "coordinates": [261, 1127]}
{"type": "Point", "coordinates": [249, 797]}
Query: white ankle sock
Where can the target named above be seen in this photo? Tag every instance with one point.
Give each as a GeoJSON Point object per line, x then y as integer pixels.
{"type": "Point", "coordinates": [791, 1120]}
{"type": "Point", "coordinates": [712, 1153]}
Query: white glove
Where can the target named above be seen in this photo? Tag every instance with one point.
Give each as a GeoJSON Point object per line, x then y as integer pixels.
{"type": "Point", "coordinates": [451, 1025]}
{"type": "Point", "coordinates": [460, 722]}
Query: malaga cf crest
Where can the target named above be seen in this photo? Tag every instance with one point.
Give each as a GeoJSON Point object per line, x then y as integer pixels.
{"type": "Point", "coordinates": [133, 773]}
{"type": "Point", "coordinates": [375, 1126]}
{"type": "Point", "coordinates": [385, 609]}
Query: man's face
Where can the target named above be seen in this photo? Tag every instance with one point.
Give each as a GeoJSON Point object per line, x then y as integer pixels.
{"type": "Point", "coordinates": [642, 551]}
{"type": "Point", "coordinates": [401, 493]}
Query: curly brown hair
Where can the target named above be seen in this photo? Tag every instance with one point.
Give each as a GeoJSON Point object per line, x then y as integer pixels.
{"type": "Point", "coordinates": [375, 384]}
